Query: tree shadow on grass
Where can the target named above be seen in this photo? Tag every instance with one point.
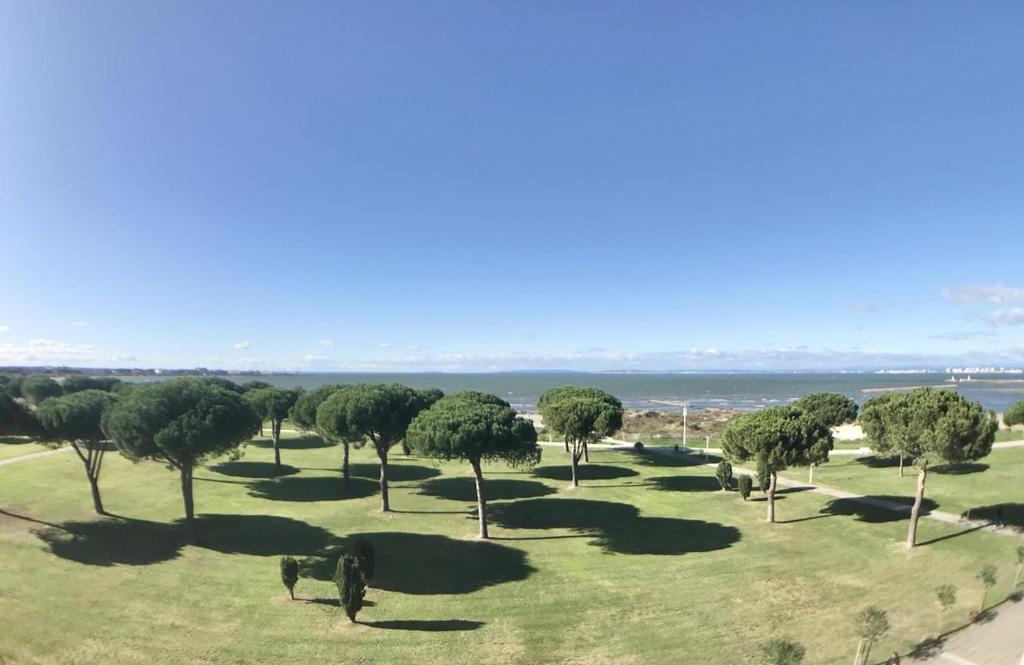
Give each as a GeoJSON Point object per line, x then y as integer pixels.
{"type": "Point", "coordinates": [928, 648]}
{"type": "Point", "coordinates": [1010, 513]}
{"type": "Point", "coordinates": [313, 488]}
{"type": "Point", "coordinates": [939, 539]}
{"type": "Point", "coordinates": [116, 541]}
{"type": "Point", "coordinates": [426, 564]}
{"type": "Point", "coordinates": [260, 535]}
{"type": "Point", "coordinates": [32, 520]}
{"type": "Point", "coordinates": [207, 479]}
{"type": "Point", "coordinates": [883, 463]}
{"type": "Point", "coordinates": [584, 472]}
{"type": "Point", "coordinates": [433, 626]}
{"type": "Point", "coordinates": [648, 458]}
{"type": "Point", "coordinates": [685, 483]}
{"type": "Point", "coordinates": [616, 527]}
{"type": "Point", "coordinates": [297, 443]}
{"type": "Point", "coordinates": [464, 489]}
{"type": "Point", "coordinates": [876, 509]}
{"type": "Point", "coordinates": [248, 469]}
{"type": "Point", "coordinates": [132, 542]}
{"type": "Point", "coordinates": [960, 469]}
{"type": "Point", "coordinates": [397, 471]}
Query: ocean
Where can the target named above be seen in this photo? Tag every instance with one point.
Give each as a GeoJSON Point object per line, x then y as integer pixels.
{"type": "Point", "coordinates": [649, 391]}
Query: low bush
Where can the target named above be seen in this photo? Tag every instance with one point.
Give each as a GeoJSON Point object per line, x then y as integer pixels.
{"type": "Point", "coordinates": [289, 574]}
{"type": "Point", "coordinates": [745, 484]}
{"type": "Point", "coordinates": [724, 474]}
{"type": "Point", "coordinates": [351, 585]}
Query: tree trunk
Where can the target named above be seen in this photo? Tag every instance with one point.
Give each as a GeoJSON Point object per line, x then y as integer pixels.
{"type": "Point", "coordinates": [186, 494]}
{"type": "Point", "coordinates": [810, 474]}
{"type": "Point", "coordinates": [91, 462]}
{"type": "Point", "coordinates": [575, 461]}
{"type": "Point", "coordinates": [385, 505]}
{"type": "Point", "coordinates": [984, 597]}
{"type": "Point", "coordinates": [915, 512]}
{"type": "Point", "coordinates": [586, 453]}
{"type": "Point", "coordinates": [566, 442]}
{"type": "Point", "coordinates": [275, 432]}
{"type": "Point", "coordinates": [772, 480]}
{"type": "Point", "coordinates": [261, 427]}
{"type": "Point", "coordinates": [344, 460]}
{"type": "Point", "coordinates": [860, 649]}
{"type": "Point", "coordinates": [97, 503]}
{"type": "Point", "coordinates": [867, 652]}
{"type": "Point", "coordinates": [901, 465]}
{"type": "Point", "coordinates": [291, 592]}
{"type": "Point", "coordinates": [481, 501]}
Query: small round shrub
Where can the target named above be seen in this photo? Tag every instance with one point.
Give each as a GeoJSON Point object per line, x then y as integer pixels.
{"type": "Point", "coordinates": [724, 474]}
{"type": "Point", "coordinates": [744, 484]}
{"type": "Point", "coordinates": [289, 574]}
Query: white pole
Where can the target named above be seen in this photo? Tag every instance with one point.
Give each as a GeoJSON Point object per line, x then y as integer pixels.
{"type": "Point", "coordinates": [685, 407]}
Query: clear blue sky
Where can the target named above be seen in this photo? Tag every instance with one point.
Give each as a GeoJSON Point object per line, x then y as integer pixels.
{"type": "Point", "coordinates": [449, 185]}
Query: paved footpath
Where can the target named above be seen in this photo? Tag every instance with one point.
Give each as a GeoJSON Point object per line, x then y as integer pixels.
{"type": "Point", "coordinates": [996, 642]}
{"type": "Point", "coordinates": [937, 515]}
{"type": "Point", "coordinates": [841, 452]}
{"type": "Point", "coordinates": [999, 641]}
{"type": "Point", "coordinates": [32, 456]}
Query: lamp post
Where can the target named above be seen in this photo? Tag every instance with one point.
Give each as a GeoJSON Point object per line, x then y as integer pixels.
{"type": "Point", "coordinates": [686, 406]}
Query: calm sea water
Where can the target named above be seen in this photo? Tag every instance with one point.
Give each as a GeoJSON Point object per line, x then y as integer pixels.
{"type": "Point", "coordinates": [737, 391]}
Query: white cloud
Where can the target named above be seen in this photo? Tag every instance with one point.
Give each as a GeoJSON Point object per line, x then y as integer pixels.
{"type": "Point", "coordinates": [1008, 317]}
{"type": "Point", "coordinates": [962, 336]}
{"type": "Point", "coordinates": [4, 329]}
{"type": "Point", "coordinates": [326, 343]}
{"type": "Point", "coordinates": [244, 344]}
{"type": "Point", "coordinates": [865, 307]}
{"type": "Point", "coordinates": [996, 293]}
{"type": "Point", "coordinates": [694, 359]}
{"type": "Point", "coordinates": [407, 348]}
{"type": "Point", "coordinates": [43, 351]}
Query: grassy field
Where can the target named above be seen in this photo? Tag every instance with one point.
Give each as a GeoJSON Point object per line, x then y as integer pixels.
{"type": "Point", "coordinates": [16, 446]}
{"type": "Point", "coordinates": [1005, 435]}
{"type": "Point", "coordinates": [646, 562]}
{"type": "Point", "coordinates": [979, 486]}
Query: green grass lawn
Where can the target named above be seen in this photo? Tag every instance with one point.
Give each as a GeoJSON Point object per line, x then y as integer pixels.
{"type": "Point", "coordinates": [16, 446]}
{"type": "Point", "coordinates": [991, 481]}
{"type": "Point", "coordinates": [697, 442]}
{"type": "Point", "coordinates": [645, 563]}
{"type": "Point", "coordinates": [1006, 435]}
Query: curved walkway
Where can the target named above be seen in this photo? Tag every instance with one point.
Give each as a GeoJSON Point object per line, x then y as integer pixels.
{"type": "Point", "coordinates": [997, 641]}
{"type": "Point", "coordinates": [937, 515]}
{"type": "Point", "coordinates": [32, 456]}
